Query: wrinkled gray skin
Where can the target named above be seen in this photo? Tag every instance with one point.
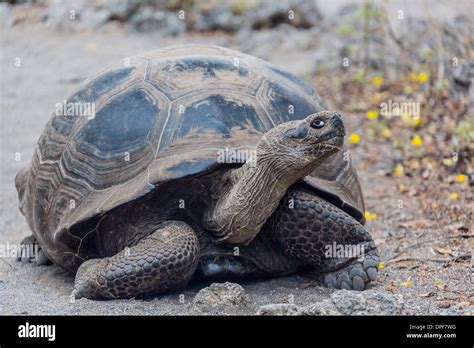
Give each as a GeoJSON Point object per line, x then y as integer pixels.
{"type": "Point", "coordinates": [278, 226]}
{"type": "Point", "coordinates": [285, 154]}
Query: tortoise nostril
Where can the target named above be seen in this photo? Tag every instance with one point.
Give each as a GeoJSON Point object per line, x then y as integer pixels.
{"type": "Point", "coordinates": [337, 123]}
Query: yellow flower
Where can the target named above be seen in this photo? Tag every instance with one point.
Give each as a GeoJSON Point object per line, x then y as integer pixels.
{"type": "Point", "coordinates": [387, 133]}
{"type": "Point", "coordinates": [402, 188]}
{"type": "Point", "coordinates": [439, 282]}
{"type": "Point", "coordinates": [398, 170]}
{"type": "Point", "coordinates": [423, 77]}
{"type": "Point", "coordinates": [460, 178]}
{"type": "Point", "coordinates": [372, 114]}
{"type": "Point", "coordinates": [381, 265]}
{"type": "Point", "coordinates": [408, 89]}
{"type": "Point", "coordinates": [415, 121]}
{"type": "Point", "coordinates": [407, 284]}
{"type": "Point", "coordinates": [453, 196]}
{"type": "Point", "coordinates": [413, 76]}
{"type": "Point", "coordinates": [354, 138]}
{"type": "Point", "coordinates": [370, 216]}
{"type": "Point", "coordinates": [377, 81]}
{"type": "Point", "coordinates": [416, 140]}
{"type": "Point", "coordinates": [412, 121]}
{"type": "Point", "coordinates": [447, 162]}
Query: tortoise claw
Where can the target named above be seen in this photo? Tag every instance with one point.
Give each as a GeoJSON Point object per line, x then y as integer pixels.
{"type": "Point", "coordinates": [356, 275]}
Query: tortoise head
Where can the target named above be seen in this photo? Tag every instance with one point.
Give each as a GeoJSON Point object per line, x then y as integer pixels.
{"type": "Point", "coordinates": [285, 154]}
{"type": "Point", "coordinates": [304, 144]}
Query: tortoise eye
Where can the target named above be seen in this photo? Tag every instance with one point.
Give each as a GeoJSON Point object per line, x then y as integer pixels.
{"type": "Point", "coordinates": [318, 123]}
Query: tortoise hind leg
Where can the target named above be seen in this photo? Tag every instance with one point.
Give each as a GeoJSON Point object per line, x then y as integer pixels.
{"type": "Point", "coordinates": [262, 258]}
{"type": "Point", "coordinates": [31, 251]}
{"type": "Point", "coordinates": [325, 238]}
{"type": "Point", "coordinates": [226, 267]}
{"type": "Point", "coordinates": [163, 261]}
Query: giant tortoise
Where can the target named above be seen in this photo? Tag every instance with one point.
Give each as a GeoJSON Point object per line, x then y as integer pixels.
{"type": "Point", "coordinates": [196, 160]}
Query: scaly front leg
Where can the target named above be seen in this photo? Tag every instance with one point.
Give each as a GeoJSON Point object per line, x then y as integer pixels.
{"type": "Point", "coordinates": [325, 238]}
{"type": "Point", "coordinates": [163, 261]}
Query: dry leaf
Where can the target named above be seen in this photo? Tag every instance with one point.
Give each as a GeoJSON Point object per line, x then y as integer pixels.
{"type": "Point", "coordinates": [390, 286]}
{"type": "Point", "coordinates": [464, 304]}
{"type": "Point", "coordinates": [443, 251]}
{"type": "Point", "coordinates": [428, 294]}
{"type": "Point", "coordinates": [459, 226]}
{"type": "Point", "coordinates": [306, 285]}
{"type": "Point", "coordinates": [444, 304]}
{"type": "Point", "coordinates": [416, 224]}
{"type": "Point", "coordinates": [425, 174]}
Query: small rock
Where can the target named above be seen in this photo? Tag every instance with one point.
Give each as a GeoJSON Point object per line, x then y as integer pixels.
{"type": "Point", "coordinates": [120, 10]}
{"type": "Point", "coordinates": [342, 302]}
{"type": "Point", "coordinates": [75, 16]}
{"type": "Point", "coordinates": [217, 17]}
{"type": "Point", "coordinates": [220, 297]}
{"type": "Point", "coordinates": [464, 73]}
{"type": "Point", "coordinates": [5, 15]}
{"type": "Point", "coordinates": [149, 19]}
{"type": "Point", "coordinates": [369, 302]}
{"type": "Point", "coordinates": [298, 13]}
{"type": "Point", "coordinates": [279, 309]}
{"type": "Point", "coordinates": [89, 15]}
{"type": "Point", "coordinates": [325, 307]}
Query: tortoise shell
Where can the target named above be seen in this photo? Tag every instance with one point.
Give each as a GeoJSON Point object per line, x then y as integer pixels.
{"type": "Point", "coordinates": [160, 116]}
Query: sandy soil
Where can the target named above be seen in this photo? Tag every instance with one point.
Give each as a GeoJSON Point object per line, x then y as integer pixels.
{"type": "Point", "coordinates": [52, 64]}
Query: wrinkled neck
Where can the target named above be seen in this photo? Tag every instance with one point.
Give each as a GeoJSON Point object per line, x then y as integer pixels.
{"type": "Point", "coordinates": [255, 192]}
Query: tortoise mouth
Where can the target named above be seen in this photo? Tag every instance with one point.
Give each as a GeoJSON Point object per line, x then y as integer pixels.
{"type": "Point", "coordinates": [335, 138]}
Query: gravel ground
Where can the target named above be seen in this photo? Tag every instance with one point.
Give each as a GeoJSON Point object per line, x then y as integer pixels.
{"type": "Point", "coordinates": [52, 64]}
